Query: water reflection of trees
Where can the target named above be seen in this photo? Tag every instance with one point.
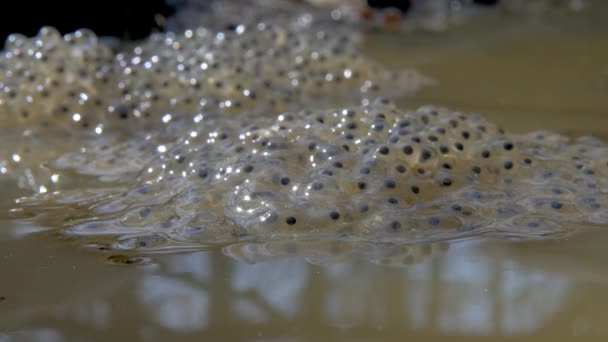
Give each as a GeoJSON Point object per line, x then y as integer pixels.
{"type": "Point", "coordinates": [204, 291]}
{"type": "Point", "coordinates": [208, 294]}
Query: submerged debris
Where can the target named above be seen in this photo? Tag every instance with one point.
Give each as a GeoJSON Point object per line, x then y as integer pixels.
{"type": "Point", "coordinates": [129, 260]}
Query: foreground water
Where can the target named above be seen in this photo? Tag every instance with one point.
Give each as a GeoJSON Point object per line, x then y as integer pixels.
{"type": "Point", "coordinates": [54, 289]}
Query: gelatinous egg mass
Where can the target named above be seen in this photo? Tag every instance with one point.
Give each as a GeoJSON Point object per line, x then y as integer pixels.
{"type": "Point", "coordinates": [371, 173]}
{"type": "Point", "coordinates": [54, 80]}
{"type": "Point", "coordinates": [77, 88]}
{"type": "Point", "coordinates": [271, 140]}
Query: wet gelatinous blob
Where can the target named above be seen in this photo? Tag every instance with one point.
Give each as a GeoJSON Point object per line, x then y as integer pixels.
{"type": "Point", "coordinates": [86, 95]}
{"type": "Point", "coordinates": [265, 137]}
{"type": "Point", "coordinates": [53, 80]}
{"type": "Point", "coordinates": [370, 174]}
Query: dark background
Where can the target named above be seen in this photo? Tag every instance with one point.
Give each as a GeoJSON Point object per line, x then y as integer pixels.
{"type": "Point", "coordinates": [123, 19]}
{"type": "Point", "coordinates": [126, 19]}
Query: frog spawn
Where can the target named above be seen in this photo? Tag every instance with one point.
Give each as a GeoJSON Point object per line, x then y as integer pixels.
{"type": "Point", "coordinates": [228, 14]}
{"type": "Point", "coordinates": [51, 79]}
{"type": "Point", "coordinates": [188, 173]}
{"type": "Point", "coordinates": [85, 93]}
{"type": "Point", "coordinates": [355, 175]}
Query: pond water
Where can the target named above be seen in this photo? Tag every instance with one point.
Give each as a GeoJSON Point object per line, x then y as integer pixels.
{"type": "Point", "coordinates": [530, 73]}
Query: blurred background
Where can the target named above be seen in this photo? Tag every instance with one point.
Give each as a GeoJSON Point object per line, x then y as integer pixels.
{"type": "Point", "coordinates": [123, 19]}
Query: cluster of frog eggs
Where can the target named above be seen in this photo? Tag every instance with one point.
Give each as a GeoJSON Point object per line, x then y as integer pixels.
{"type": "Point", "coordinates": [76, 78]}
{"type": "Point", "coordinates": [221, 14]}
{"type": "Point", "coordinates": [215, 163]}
{"type": "Point", "coordinates": [43, 77]}
{"type": "Point", "coordinates": [52, 82]}
{"type": "Point", "coordinates": [371, 173]}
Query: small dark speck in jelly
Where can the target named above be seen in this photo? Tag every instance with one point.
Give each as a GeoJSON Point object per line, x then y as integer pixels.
{"type": "Point", "coordinates": [433, 221]}
{"type": "Point", "coordinates": [144, 212]}
{"type": "Point", "coordinates": [389, 183]}
{"type": "Point", "coordinates": [506, 210]}
{"type": "Point", "coordinates": [92, 225]}
{"type": "Point", "coordinates": [592, 202]}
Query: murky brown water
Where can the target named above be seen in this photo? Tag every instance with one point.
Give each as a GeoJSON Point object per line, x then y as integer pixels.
{"type": "Point", "coordinates": [525, 74]}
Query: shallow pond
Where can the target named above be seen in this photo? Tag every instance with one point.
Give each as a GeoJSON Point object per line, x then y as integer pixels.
{"type": "Point", "coordinates": [532, 73]}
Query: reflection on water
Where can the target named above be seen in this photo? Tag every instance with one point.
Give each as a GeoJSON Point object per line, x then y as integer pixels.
{"type": "Point", "coordinates": [275, 286]}
{"type": "Point", "coordinates": [523, 73]}
{"type": "Point", "coordinates": [53, 290]}
{"type": "Point", "coordinates": [174, 304]}
{"type": "Point", "coordinates": [474, 288]}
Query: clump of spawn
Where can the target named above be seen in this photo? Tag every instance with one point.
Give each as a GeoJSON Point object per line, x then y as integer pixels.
{"type": "Point", "coordinates": [49, 78]}
{"type": "Point", "coordinates": [358, 174]}
{"type": "Point", "coordinates": [181, 136]}
{"type": "Point", "coordinates": [228, 14]}
{"type": "Point", "coordinates": [77, 78]}
{"type": "Point", "coordinates": [90, 93]}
